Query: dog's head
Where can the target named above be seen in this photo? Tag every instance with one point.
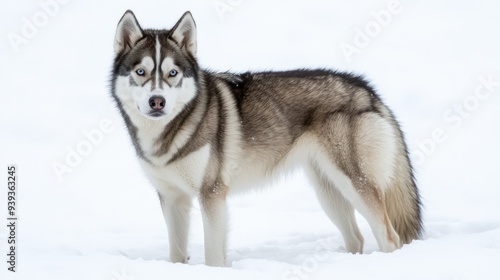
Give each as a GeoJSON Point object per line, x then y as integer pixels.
{"type": "Point", "coordinates": [155, 71]}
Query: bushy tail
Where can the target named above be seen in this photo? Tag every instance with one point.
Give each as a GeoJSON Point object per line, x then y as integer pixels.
{"type": "Point", "coordinates": [403, 203]}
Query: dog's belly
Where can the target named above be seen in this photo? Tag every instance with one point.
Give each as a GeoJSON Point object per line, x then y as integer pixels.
{"type": "Point", "coordinates": [248, 175]}
{"type": "Point", "coordinates": [258, 169]}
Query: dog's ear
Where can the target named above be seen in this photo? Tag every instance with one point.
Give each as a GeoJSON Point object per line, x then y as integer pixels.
{"type": "Point", "coordinates": [128, 32]}
{"type": "Point", "coordinates": [184, 33]}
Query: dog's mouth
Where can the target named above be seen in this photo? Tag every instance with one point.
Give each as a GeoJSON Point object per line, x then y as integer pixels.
{"type": "Point", "coordinates": [152, 114]}
{"type": "Point", "coordinates": [156, 114]}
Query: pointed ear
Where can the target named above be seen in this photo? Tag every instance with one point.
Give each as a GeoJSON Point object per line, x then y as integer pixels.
{"type": "Point", "coordinates": [128, 32]}
{"type": "Point", "coordinates": [184, 33]}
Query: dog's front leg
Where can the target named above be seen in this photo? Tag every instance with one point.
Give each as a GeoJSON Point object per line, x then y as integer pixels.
{"type": "Point", "coordinates": [214, 215]}
{"type": "Point", "coordinates": [176, 207]}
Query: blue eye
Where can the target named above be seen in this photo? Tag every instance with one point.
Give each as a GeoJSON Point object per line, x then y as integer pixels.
{"type": "Point", "coordinates": [172, 73]}
{"type": "Point", "coordinates": [140, 72]}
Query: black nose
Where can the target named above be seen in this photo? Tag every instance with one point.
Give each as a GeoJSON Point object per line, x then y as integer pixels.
{"type": "Point", "coordinates": [157, 103]}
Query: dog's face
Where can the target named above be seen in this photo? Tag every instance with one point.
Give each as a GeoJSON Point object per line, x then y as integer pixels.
{"type": "Point", "coordinates": [155, 70]}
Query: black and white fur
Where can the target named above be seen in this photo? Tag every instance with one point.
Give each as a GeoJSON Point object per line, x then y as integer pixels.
{"type": "Point", "coordinates": [203, 134]}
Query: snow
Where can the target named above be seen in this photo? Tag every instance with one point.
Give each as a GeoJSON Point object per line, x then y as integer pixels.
{"type": "Point", "coordinates": [428, 60]}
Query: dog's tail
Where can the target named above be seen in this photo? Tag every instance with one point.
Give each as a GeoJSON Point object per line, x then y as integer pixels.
{"type": "Point", "coordinates": [403, 202]}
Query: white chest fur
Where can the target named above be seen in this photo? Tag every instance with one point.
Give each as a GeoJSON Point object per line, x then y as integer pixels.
{"type": "Point", "coordinates": [185, 174]}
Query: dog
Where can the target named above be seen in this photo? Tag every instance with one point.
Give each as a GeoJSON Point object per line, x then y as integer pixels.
{"type": "Point", "coordinates": [198, 133]}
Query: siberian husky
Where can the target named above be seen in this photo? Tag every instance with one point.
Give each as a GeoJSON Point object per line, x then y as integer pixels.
{"type": "Point", "coordinates": [203, 134]}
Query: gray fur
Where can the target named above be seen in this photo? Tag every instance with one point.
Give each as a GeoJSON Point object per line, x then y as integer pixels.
{"type": "Point", "coordinates": [332, 124]}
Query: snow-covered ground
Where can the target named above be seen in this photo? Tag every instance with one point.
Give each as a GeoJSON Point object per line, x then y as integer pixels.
{"type": "Point", "coordinates": [435, 63]}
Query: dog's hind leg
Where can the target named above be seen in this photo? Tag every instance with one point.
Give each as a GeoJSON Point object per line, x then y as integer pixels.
{"type": "Point", "coordinates": [338, 209]}
{"type": "Point", "coordinates": [357, 156]}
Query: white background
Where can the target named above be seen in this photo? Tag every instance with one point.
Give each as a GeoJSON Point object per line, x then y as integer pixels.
{"type": "Point", "coordinates": [102, 220]}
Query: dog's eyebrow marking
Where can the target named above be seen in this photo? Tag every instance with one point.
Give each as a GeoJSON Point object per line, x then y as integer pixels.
{"type": "Point", "coordinates": [148, 63]}
{"type": "Point", "coordinates": [158, 57]}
